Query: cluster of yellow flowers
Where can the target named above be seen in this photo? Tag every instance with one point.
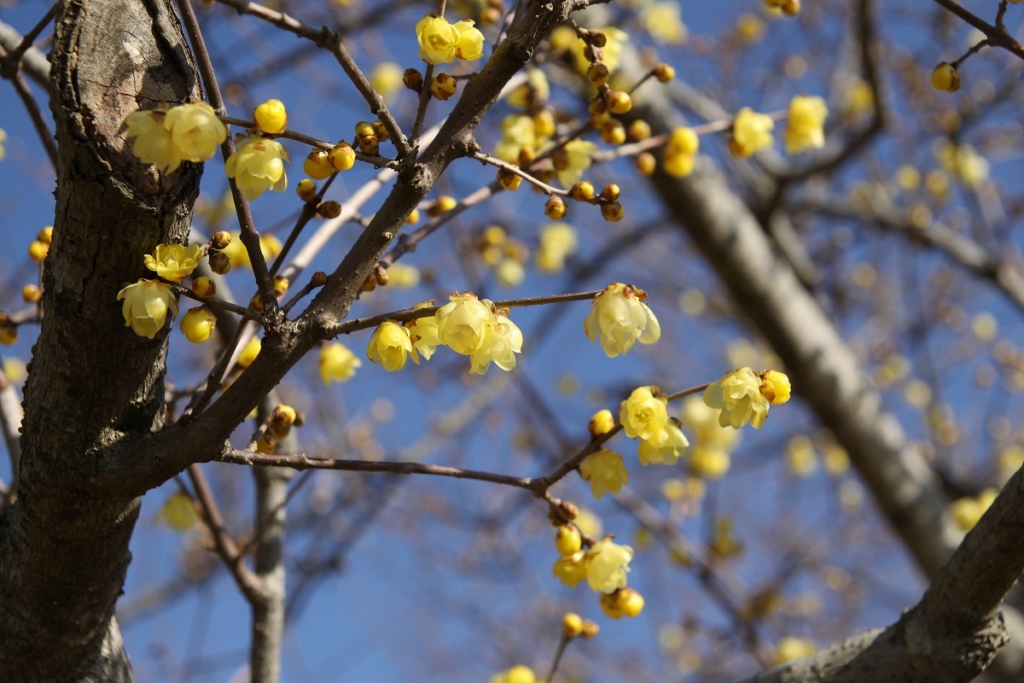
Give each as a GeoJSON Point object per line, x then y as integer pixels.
{"type": "Point", "coordinates": [603, 565]}
{"type": "Point", "coordinates": [504, 253]}
{"type": "Point", "coordinates": [522, 136]}
{"type": "Point", "coordinates": [442, 42]}
{"type": "Point", "coordinates": [744, 396]}
{"type": "Point", "coordinates": [680, 152]}
{"type": "Point", "coordinates": [466, 324]}
{"type": "Point", "coordinates": [557, 242]}
{"type": "Point", "coordinates": [147, 302]}
{"type": "Point", "coordinates": [166, 137]}
{"type": "Point", "coordinates": [619, 317]}
{"type": "Point", "coordinates": [752, 132]}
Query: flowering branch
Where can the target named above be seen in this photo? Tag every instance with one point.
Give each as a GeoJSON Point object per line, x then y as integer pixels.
{"type": "Point", "coordinates": [250, 238]}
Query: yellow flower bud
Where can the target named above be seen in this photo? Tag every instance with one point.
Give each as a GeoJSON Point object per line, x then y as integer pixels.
{"type": "Point", "coordinates": [249, 353]}
{"type": "Point", "coordinates": [555, 208]}
{"type": "Point", "coordinates": [601, 423]}
{"type": "Point", "coordinates": [197, 325]}
{"type": "Point", "coordinates": [204, 288]}
{"type": "Point", "coordinates": [317, 165]}
{"type": "Point", "coordinates": [45, 235]}
{"type": "Point", "coordinates": [619, 102]}
{"type": "Point", "coordinates": [646, 163]}
{"type": "Point", "coordinates": [37, 251]}
{"type": "Point", "coordinates": [8, 335]}
{"type": "Point", "coordinates": [509, 180]}
{"type": "Point", "coordinates": [342, 157]}
{"type": "Point", "coordinates": [775, 386]}
{"type": "Point", "coordinates": [31, 294]}
{"type": "Point", "coordinates": [386, 79]}
{"type": "Point", "coordinates": [443, 86]}
{"type": "Point", "coordinates": [271, 117]}
{"type": "Point", "coordinates": [572, 625]}
{"type": "Point", "coordinates": [568, 539]}
{"type": "Point", "coordinates": [306, 189]}
{"type": "Point", "coordinates": [612, 211]}
{"type": "Point", "coordinates": [664, 72]}
{"type": "Point", "coordinates": [751, 132]}
{"type": "Point", "coordinates": [630, 602]}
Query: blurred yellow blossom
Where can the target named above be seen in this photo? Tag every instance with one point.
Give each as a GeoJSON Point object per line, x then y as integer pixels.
{"type": "Point", "coordinates": [605, 472]}
{"type": "Point", "coordinates": [576, 159]}
{"type": "Point", "coordinates": [557, 241]}
{"type": "Point", "coordinates": [800, 456]}
{"type": "Point", "coordinates": [963, 162]}
{"type": "Point", "coordinates": [607, 565]}
{"type": "Point", "coordinates": [663, 21]}
{"type": "Point", "coordinates": [790, 648]}
{"type": "Point", "coordinates": [337, 363]}
{"type": "Point", "coordinates": [517, 674]}
{"type": "Point", "coordinates": [805, 126]}
{"type": "Point", "coordinates": [751, 132]}
{"type": "Point", "coordinates": [178, 512]}
{"type": "Point", "coordinates": [967, 511]}
{"type": "Point", "coordinates": [386, 78]}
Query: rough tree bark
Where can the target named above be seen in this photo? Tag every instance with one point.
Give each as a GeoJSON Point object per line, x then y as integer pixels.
{"type": "Point", "coordinates": [93, 384]}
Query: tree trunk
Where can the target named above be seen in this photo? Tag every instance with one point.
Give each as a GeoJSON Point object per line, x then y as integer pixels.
{"type": "Point", "coordinates": [93, 384]}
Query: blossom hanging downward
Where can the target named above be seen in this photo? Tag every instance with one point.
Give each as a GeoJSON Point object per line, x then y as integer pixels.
{"type": "Point", "coordinates": [502, 341]}
{"type": "Point", "coordinates": [744, 396]}
{"type": "Point", "coordinates": [619, 317]}
{"type": "Point", "coordinates": [145, 306]}
{"type": "Point", "coordinates": [751, 132]}
{"type": "Point", "coordinates": [607, 565]}
{"type": "Point", "coordinates": [337, 363]}
{"type": "Point", "coordinates": [665, 446]}
{"type": "Point", "coordinates": [258, 165]}
{"type": "Point", "coordinates": [188, 132]}
{"type": "Point", "coordinates": [605, 472]}
{"type": "Point", "coordinates": [390, 345]}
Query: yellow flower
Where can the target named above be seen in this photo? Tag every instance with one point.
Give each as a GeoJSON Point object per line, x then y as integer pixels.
{"type": "Point", "coordinates": [963, 162]}
{"type": "Point", "coordinates": [709, 462]}
{"type": "Point", "coordinates": [701, 422]}
{"type": "Point", "coordinates": [145, 306]}
{"type": "Point", "coordinates": [643, 414]}
{"type": "Point", "coordinates": [463, 323]}
{"type": "Point", "coordinates": [197, 325]}
{"type": "Point", "coordinates": [470, 45]}
{"type": "Point", "coordinates": [605, 472]}
{"type": "Point", "coordinates": [557, 240]}
{"type": "Point", "coordinates": [423, 333]}
{"type": "Point", "coordinates": [968, 511]}
{"type": "Point", "coordinates": [680, 152]}
{"type": "Point", "coordinates": [664, 23]}
{"type": "Point", "coordinates": [619, 317]}
{"type": "Point", "coordinates": [571, 569]}
{"type": "Point", "coordinates": [438, 39]}
{"type": "Point", "coordinates": [403, 276]}
{"type": "Point", "coordinates": [196, 131]}
{"type": "Point", "coordinates": [790, 648]}
{"type": "Point", "coordinates": [601, 423]}
{"type": "Point", "coordinates": [576, 160]}
{"type": "Point", "coordinates": [607, 565]}
{"type": "Point", "coordinates": [945, 77]}
{"type": "Point", "coordinates": [665, 446]}
{"type": "Point", "coordinates": [257, 166]}
{"type": "Point", "coordinates": [623, 603]}
{"type": "Point", "coordinates": [173, 261]}
{"type": "Point", "coordinates": [178, 512]}
{"type": "Point", "coordinates": [775, 386]}
{"type": "Point", "coordinates": [153, 143]}
{"type": "Point", "coordinates": [386, 79]}
{"type": "Point", "coordinates": [568, 540]}
{"type": "Point", "coordinates": [271, 117]}
{"type": "Point", "coordinates": [805, 128]}
{"type": "Point", "coordinates": [751, 132]}
{"type": "Point", "coordinates": [536, 90]}
{"type": "Point", "coordinates": [502, 340]}
{"type": "Point", "coordinates": [517, 674]}
{"type": "Point", "coordinates": [337, 363]}
{"type": "Point", "coordinates": [517, 131]}
{"type": "Point", "coordinates": [249, 353]}
{"type": "Point", "coordinates": [738, 395]}
{"type": "Point", "coordinates": [390, 345]}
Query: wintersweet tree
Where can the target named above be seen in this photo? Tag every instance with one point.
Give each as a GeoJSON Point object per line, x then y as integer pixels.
{"type": "Point", "coordinates": [515, 289]}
